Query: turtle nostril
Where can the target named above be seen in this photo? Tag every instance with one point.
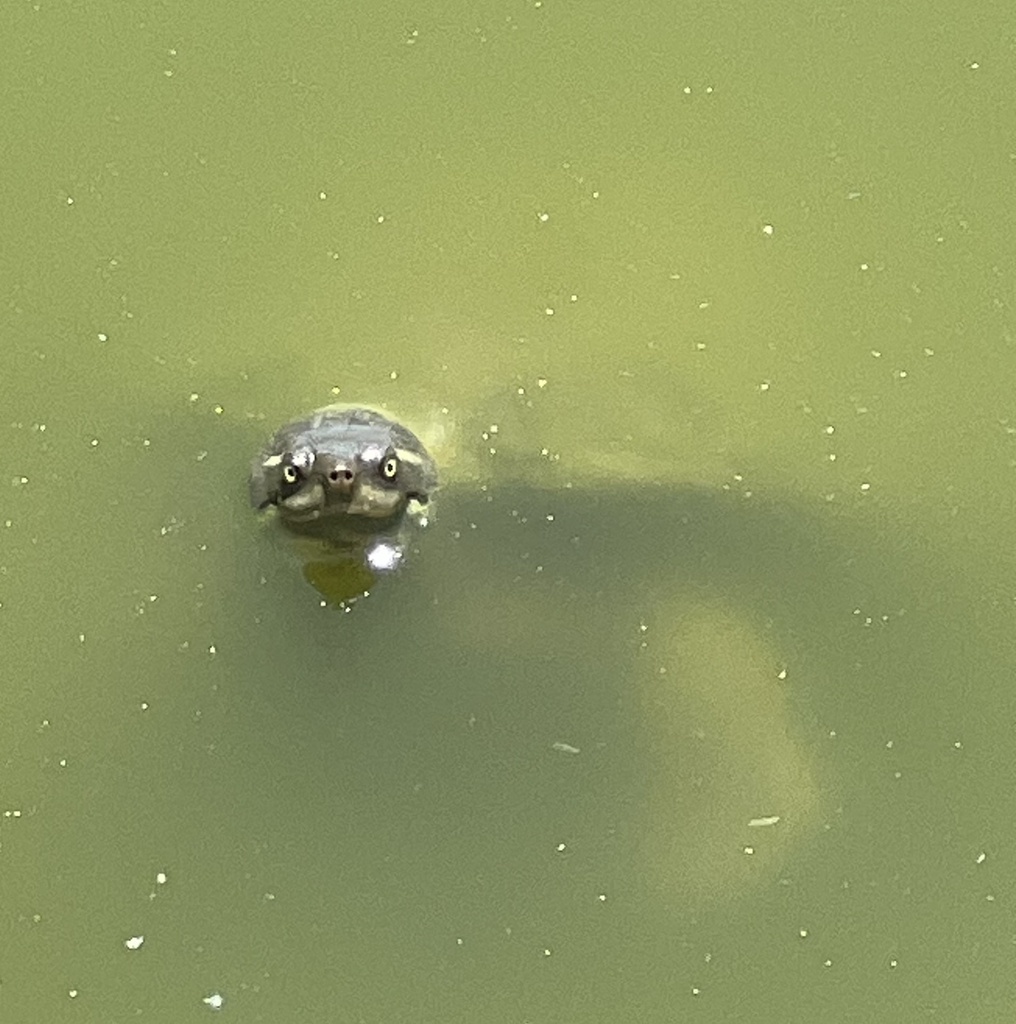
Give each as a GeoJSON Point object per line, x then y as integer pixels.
{"type": "Point", "coordinates": [340, 474]}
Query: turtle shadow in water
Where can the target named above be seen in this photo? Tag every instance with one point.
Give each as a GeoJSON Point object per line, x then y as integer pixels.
{"type": "Point", "coordinates": [698, 649]}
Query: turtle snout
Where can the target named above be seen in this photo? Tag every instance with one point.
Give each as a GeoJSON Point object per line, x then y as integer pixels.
{"type": "Point", "coordinates": [340, 479]}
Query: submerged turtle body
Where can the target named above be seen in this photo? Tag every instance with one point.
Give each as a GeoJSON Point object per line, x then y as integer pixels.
{"type": "Point", "coordinates": [349, 477]}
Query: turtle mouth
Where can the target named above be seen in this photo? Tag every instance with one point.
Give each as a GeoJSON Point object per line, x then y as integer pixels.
{"type": "Point", "coordinates": [342, 497]}
{"type": "Point", "coordinates": [305, 504]}
{"type": "Point", "coordinates": [375, 502]}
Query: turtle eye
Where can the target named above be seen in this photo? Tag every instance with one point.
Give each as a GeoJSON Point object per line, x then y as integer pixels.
{"type": "Point", "coordinates": [290, 474]}
{"type": "Point", "coordinates": [390, 468]}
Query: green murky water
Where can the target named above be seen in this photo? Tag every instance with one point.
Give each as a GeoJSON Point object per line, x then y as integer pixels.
{"type": "Point", "coordinates": [696, 700]}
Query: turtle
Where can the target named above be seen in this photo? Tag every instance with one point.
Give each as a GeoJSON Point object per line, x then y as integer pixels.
{"type": "Point", "coordinates": [352, 480]}
{"type": "Point", "coordinates": [665, 635]}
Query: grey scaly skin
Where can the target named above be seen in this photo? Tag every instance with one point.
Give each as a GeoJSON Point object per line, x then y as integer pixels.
{"type": "Point", "coordinates": [349, 476]}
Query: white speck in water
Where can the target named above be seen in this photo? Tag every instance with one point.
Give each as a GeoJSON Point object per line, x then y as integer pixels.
{"type": "Point", "coordinates": [544, 217]}
{"type": "Point", "coordinates": [564, 748]}
{"type": "Point", "coordinates": [160, 878]}
{"type": "Point", "coordinates": [981, 858]}
{"type": "Point", "coordinates": [135, 942]}
{"type": "Point", "coordinates": [767, 230]}
{"type": "Point", "coordinates": [215, 1001]}
{"type": "Point", "coordinates": [770, 819]}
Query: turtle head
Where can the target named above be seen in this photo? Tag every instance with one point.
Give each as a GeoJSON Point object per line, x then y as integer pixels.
{"type": "Point", "coordinates": [343, 470]}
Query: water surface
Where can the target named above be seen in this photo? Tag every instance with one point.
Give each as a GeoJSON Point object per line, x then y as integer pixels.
{"type": "Point", "coordinates": [709, 318]}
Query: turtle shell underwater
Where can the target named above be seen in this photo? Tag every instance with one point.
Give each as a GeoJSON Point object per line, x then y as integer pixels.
{"type": "Point", "coordinates": [351, 479]}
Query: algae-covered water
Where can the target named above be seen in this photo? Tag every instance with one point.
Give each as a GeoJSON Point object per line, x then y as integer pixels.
{"type": "Point", "coordinates": [694, 700]}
